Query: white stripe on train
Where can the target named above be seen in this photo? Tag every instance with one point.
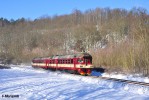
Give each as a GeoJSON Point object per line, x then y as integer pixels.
{"type": "Point", "coordinates": [62, 65]}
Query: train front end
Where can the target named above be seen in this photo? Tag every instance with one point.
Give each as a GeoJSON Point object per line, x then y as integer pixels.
{"type": "Point", "coordinates": [84, 64]}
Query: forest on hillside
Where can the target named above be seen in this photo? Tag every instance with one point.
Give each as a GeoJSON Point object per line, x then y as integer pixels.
{"type": "Point", "coordinates": [117, 39]}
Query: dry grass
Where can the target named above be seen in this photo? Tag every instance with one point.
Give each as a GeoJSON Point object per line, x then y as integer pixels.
{"type": "Point", "coordinates": [126, 57]}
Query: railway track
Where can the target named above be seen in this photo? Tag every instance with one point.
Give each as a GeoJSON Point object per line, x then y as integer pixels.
{"type": "Point", "coordinates": [123, 81]}
{"type": "Point", "coordinates": [118, 80]}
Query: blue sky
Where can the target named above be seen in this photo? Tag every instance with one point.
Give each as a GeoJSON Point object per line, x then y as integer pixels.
{"type": "Point", "coordinates": [14, 9]}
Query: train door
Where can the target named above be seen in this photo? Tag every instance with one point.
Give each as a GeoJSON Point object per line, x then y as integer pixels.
{"type": "Point", "coordinates": [86, 61]}
{"type": "Point", "coordinates": [74, 62]}
{"type": "Point", "coordinates": [56, 63]}
{"type": "Point", "coordinates": [47, 63]}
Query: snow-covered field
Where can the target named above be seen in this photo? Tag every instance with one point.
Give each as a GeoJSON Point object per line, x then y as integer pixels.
{"type": "Point", "coordinates": [26, 83]}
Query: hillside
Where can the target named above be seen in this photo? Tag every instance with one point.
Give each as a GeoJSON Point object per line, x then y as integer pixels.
{"type": "Point", "coordinates": [116, 38]}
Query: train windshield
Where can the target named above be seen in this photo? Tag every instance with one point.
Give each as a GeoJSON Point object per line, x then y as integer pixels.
{"type": "Point", "coordinates": [88, 59]}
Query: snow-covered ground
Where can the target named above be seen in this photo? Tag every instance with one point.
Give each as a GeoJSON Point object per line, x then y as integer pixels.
{"type": "Point", "coordinates": [26, 83]}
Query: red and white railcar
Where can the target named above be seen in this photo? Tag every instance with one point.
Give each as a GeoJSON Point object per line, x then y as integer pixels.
{"type": "Point", "coordinates": [77, 63]}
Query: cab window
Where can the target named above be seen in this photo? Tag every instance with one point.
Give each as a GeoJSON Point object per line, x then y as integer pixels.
{"type": "Point", "coordinates": [80, 60]}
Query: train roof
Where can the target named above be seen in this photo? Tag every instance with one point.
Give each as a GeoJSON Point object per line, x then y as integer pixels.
{"type": "Point", "coordinates": [77, 55]}
{"type": "Point", "coordinates": [41, 58]}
